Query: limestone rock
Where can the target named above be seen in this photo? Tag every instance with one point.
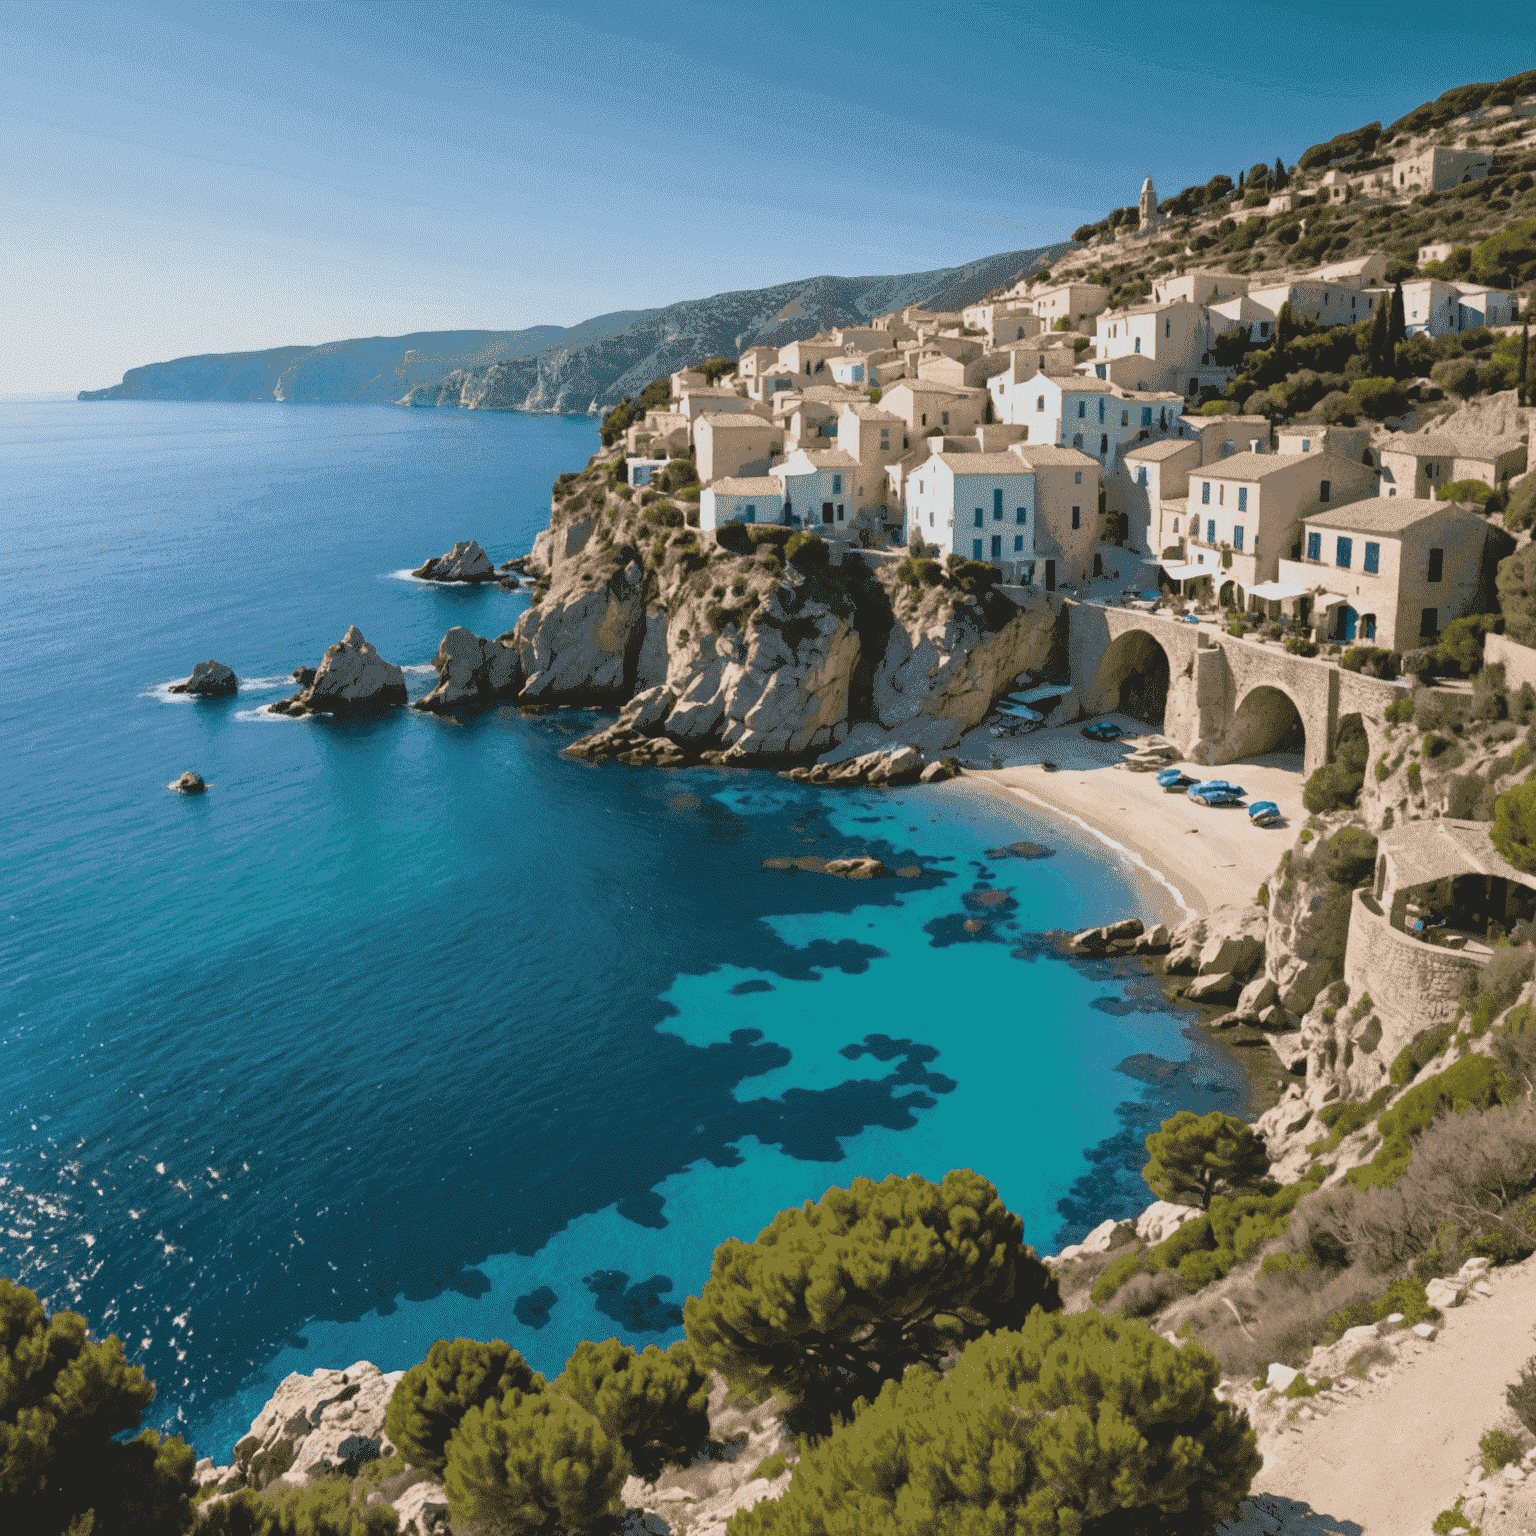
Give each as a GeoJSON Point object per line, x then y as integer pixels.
{"type": "Point", "coordinates": [209, 680]}
{"type": "Point", "coordinates": [1219, 988]}
{"type": "Point", "coordinates": [578, 648]}
{"type": "Point", "coordinates": [189, 784]}
{"type": "Point", "coordinates": [1425, 1331]}
{"type": "Point", "coordinates": [328, 1422]}
{"type": "Point", "coordinates": [472, 672]}
{"type": "Point", "coordinates": [1099, 941]}
{"type": "Point", "coordinates": [1442, 1294]}
{"type": "Point", "coordinates": [1155, 941]}
{"type": "Point", "coordinates": [898, 765]}
{"type": "Point", "coordinates": [465, 562]}
{"type": "Point", "coordinates": [353, 679]}
{"type": "Point", "coordinates": [1474, 1270]}
{"type": "Point", "coordinates": [1227, 939]}
{"type": "Point", "coordinates": [1280, 1376]}
{"type": "Point", "coordinates": [939, 770]}
{"type": "Point", "coordinates": [1257, 997]}
{"type": "Point", "coordinates": [857, 869]}
{"type": "Point", "coordinates": [1107, 1235]}
{"type": "Point", "coordinates": [422, 1509]}
{"type": "Point", "coordinates": [1162, 1219]}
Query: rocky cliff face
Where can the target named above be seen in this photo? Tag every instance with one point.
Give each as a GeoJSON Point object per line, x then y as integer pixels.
{"type": "Point", "coordinates": [557, 368]}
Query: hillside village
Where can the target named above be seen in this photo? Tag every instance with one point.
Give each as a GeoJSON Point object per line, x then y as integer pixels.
{"type": "Point", "coordinates": [1112, 408]}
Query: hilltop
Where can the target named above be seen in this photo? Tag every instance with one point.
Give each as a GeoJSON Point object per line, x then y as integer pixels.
{"type": "Point", "coordinates": [560, 368]}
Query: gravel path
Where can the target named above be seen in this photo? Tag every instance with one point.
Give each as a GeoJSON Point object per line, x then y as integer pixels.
{"type": "Point", "coordinates": [1389, 1459]}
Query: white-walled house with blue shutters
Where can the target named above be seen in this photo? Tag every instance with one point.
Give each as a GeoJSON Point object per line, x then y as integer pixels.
{"type": "Point", "coordinates": [743, 499]}
{"type": "Point", "coordinates": [977, 505]}
{"type": "Point", "coordinates": [823, 487]}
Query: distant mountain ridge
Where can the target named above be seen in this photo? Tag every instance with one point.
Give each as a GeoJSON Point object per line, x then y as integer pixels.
{"type": "Point", "coordinates": [559, 368]}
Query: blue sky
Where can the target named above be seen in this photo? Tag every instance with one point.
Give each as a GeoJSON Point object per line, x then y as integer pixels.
{"type": "Point", "coordinates": [189, 178]}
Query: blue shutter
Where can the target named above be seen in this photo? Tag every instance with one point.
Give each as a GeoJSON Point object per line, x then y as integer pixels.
{"type": "Point", "coordinates": [1372, 558]}
{"type": "Point", "coordinates": [1242, 498]}
{"type": "Point", "coordinates": [979, 518]}
{"type": "Point", "coordinates": [1018, 542]}
{"type": "Point", "coordinates": [976, 549]}
{"type": "Point", "coordinates": [1237, 536]}
{"type": "Point", "coordinates": [1314, 546]}
{"type": "Point", "coordinates": [997, 505]}
{"type": "Point", "coordinates": [1343, 552]}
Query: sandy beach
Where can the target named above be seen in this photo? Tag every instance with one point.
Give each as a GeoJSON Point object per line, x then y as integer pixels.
{"type": "Point", "coordinates": [1210, 857]}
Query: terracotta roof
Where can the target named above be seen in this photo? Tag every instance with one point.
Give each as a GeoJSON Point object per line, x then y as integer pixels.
{"type": "Point", "coordinates": [1260, 466]}
{"type": "Point", "coordinates": [735, 419]}
{"type": "Point", "coordinates": [746, 485]}
{"type": "Point", "coordinates": [1162, 450]}
{"type": "Point", "coordinates": [1049, 456]}
{"type": "Point", "coordinates": [984, 463]}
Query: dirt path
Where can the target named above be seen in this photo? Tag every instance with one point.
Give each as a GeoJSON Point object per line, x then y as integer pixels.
{"type": "Point", "coordinates": [1388, 1461]}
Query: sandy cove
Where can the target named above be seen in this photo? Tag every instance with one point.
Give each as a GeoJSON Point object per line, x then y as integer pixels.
{"type": "Point", "coordinates": [1211, 857]}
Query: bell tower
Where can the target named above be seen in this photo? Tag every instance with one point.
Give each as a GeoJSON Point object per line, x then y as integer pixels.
{"type": "Point", "coordinates": [1147, 205]}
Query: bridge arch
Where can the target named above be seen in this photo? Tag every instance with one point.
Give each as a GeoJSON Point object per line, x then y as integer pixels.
{"type": "Point", "coordinates": [1267, 719]}
{"type": "Point", "coordinates": [1133, 677]}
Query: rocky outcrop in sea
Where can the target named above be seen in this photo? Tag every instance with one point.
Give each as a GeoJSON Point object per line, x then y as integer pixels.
{"type": "Point", "coordinates": [209, 680]}
{"type": "Point", "coordinates": [472, 673]}
{"type": "Point", "coordinates": [353, 679]}
{"type": "Point", "coordinates": [466, 563]}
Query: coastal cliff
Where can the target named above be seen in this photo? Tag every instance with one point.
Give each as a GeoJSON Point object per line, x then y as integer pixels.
{"type": "Point", "coordinates": [758, 645]}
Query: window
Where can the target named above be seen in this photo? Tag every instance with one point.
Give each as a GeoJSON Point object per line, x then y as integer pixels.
{"type": "Point", "coordinates": [925, 420]}
{"type": "Point", "coordinates": [1429, 623]}
{"type": "Point", "coordinates": [1077, 517]}
{"type": "Point", "coordinates": [1039, 402]}
{"type": "Point", "coordinates": [1026, 434]}
{"type": "Point", "coordinates": [1242, 498]}
{"type": "Point", "coordinates": [1125, 418]}
{"type": "Point", "coordinates": [1436, 562]}
{"type": "Point", "coordinates": [751, 513]}
{"type": "Point", "coordinates": [839, 511]}
{"type": "Point", "coordinates": [1306, 445]}
{"type": "Point", "coordinates": [1018, 542]}
{"type": "Point", "coordinates": [976, 546]}
{"type": "Point", "coordinates": [1103, 443]}
{"type": "Point", "coordinates": [1146, 415]}
{"type": "Point", "coordinates": [1175, 525]}
{"type": "Point", "coordinates": [945, 418]}
{"type": "Point", "coordinates": [1138, 343]}
{"type": "Point", "coordinates": [997, 546]}
{"type": "Point", "coordinates": [1082, 407]}
{"type": "Point", "coordinates": [1263, 327]}
{"type": "Point", "coordinates": [1210, 530]}
{"type": "Point", "coordinates": [1237, 536]}
{"type": "Point", "coordinates": [837, 485]}
{"type": "Point", "coordinates": [979, 518]}
{"type": "Point", "coordinates": [1368, 626]}
{"type": "Point", "coordinates": [1077, 477]}
{"type": "Point", "coordinates": [997, 506]}
{"type": "Point", "coordinates": [1343, 552]}
{"type": "Point", "coordinates": [1314, 546]}
{"type": "Point", "coordinates": [1372, 559]}
{"type": "Point", "coordinates": [930, 519]}
{"type": "Point", "coordinates": [1141, 475]}
{"type": "Point", "coordinates": [1077, 442]}
{"type": "Point", "coordinates": [1101, 410]}
{"type": "Point", "coordinates": [1021, 515]}
{"type": "Point", "coordinates": [1205, 493]}
{"type": "Point", "coordinates": [1325, 491]}
{"type": "Point", "coordinates": [1221, 495]}
{"type": "Point", "coordinates": [1167, 326]}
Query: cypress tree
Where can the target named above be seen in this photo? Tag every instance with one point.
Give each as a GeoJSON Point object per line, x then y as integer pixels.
{"type": "Point", "coordinates": [1241, 178]}
{"type": "Point", "coordinates": [1524, 380]}
{"type": "Point", "coordinates": [1397, 326]}
{"type": "Point", "coordinates": [1379, 348]}
{"type": "Point", "coordinates": [1281, 176]}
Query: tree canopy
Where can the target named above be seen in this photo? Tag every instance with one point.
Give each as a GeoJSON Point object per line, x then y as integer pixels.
{"type": "Point", "coordinates": [1070, 1425]}
{"type": "Point", "coordinates": [839, 1296]}
{"type": "Point", "coordinates": [655, 1403]}
{"type": "Point", "coordinates": [63, 1399]}
{"type": "Point", "coordinates": [334, 1507]}
{"type": "Point", "coordinates": [523, 1464]}
{"type": "Point", "coordinates": [1514, 825]}
{"type": "Point", "coordinates": [431, 1399]}
{"type": "Point", "coordinates": [1517, 594]}
{"type": "Point", "coordinates": [1193, 1157]}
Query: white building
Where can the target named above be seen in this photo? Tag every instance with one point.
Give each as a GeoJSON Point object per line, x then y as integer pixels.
{"type": "Point", "coordinates": [1443, 309]}
{"type": "Point", "coordinates": [978, 505]}
{"type": "Point", "coordinates": [822, 486]}
{"type": "Point", "coordinates": [741, 499]}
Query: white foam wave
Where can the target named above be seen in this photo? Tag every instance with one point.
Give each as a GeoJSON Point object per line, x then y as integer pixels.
{"type": "Point", "coordinates": [420, 669]}
{"type": "Point", "coordinates": [162, 692]}
{"type": "Point", "coordinates": [263, 712]}
{"type": "Point", "coordinates": [267, 684]}
{"type": "Point", "coordinates": [409, 576]}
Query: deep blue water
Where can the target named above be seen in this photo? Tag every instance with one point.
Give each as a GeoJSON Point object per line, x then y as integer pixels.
{"type": "Point", "coordinates": [413, 1028]}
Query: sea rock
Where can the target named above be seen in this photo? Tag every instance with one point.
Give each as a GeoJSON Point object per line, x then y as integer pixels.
{"type": "Point", "coordinates": [1226, 940]}
{"type": "Point", "coordinates": [1160, 1220]}
{"type": "Point", "coordinates": [319, 1425]}
{"type": "Point", "coordinates": [939, 770]}
{"type": "Point", "coordinates": [1155, 941]}
{"type": "Point", "coordinates": [849, 869]}
{"type": "Point", "coordinates": [209, 680]}
{"type": "Point", "coordinates": [304, 676]}
{"type": "Point", "coordinates": [465, 562]}
{"type": "Point", "coordinates": [1107, 1235]}
{"type": "Point", "coordinates": [1098, 941]}
{"type": "Point", "coordinates": [472, 672]}
{"type": "Point", "coordinates": [1212, 989]}
{"type": "Point", "coordinates": [189, 784]}
{"type": "Point", "coordinates": [1257, 997]}
{"type": "Point", "coordinates": [579, 646]}
{"type": "Point", "coordinates": [898, 765]}
{"type": "Point", "coordinates": [353, 679]}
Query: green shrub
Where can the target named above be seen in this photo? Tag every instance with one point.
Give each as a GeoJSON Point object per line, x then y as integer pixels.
{"type": "Point", "coordinates": [429, 1402]}
{"type": "Point", "coordinates": [1336, 785]}
{"type": "Point", "coordinates": [1299, 646]}
{"type": "Point", "coordinates": [1117, 1272]}
{"type": "Point", "coordinates": [1370, 661]}
{"type": "Point", "coordinates": [1423, 1048]}
{"type": "Point", "coordinates": [772, 1466]}
{"type": "Point", "coordinates": [916, 571]}
{"type": "Point", "coordinates": [807, 551]}
{"type": "Point", "coordinates": [1498, 1448]}
{"type": "Point", "coordinates": [1451, 1520]}
{"type": "Point", "coordinates": [1077, 1423]}
{"type": "Point", "coordinates": [1521, 1395]}
{"type": "Point", "coordinates": [1346, 1116]}
{"type": "Point", "coordinates": [1192, 1157]}
{"type": "Point", "coordinates": [1415, 778]}
{"type": "Point", "coordinates": [1514, 826]}
{"type": "Point", "coordinates": [1302, 1388]}
{"type": "Point", "coordinates": [334, 1507]}
{"type": "Point", "coordinates": [1400, 711]}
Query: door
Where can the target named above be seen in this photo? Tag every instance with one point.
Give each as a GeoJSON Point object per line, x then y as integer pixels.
{"type": "Point", "coordinates": [826, 511]}
{"type": "Point", "coordinates": [1349, 621]}
{"type": "Point", "coordinates": [1050, 575]}
{"type": "Point", "coordinates": [997, 546]}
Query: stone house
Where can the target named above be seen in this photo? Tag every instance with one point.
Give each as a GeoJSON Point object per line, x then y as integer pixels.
{"type": "Point", "coordinates": [660, 430]}
{"type": "Point", "coordinates": [769, 382]}
{"type": "Point", "coordinates": [697, 399]}
{"type": "Point", "coordinates": [1393, 573]}
{"type": "Point", "coordinates": [1419, 463]}
{"type": "Point", "coordinates": [1311, 298]}
{"type": "Point", "coordinates": [1438, 170]}
{"type": "Point", "coordinates": [734, 445]}
{"type": "Point", "coordinates": [756, 360]}
{"type": "Point", "coordinates": [1174, 340]}
{"type": "Point", "coordinates": [1198, 287]}
{"type": "Point", "coordinates": [1318, 437]}
{"type": "Point", "coordinates": [1157, 494]}
{"type": "Point", "coordinates": [1443, 309]}
{"type": "Point", "coordinates": [925, 406]}
{"type": "Point", "coordinates": [741, 499]}
{"type": "Point", "coordinates": [685, 379]}
{"type": "Point", "coordinates": [807, 359]}
{"type": "Point", "coordinates": [873, 436]}
{"type": "Point", "coordinates": [963, 375]}
{"type": "Point", "coordinates": [1361, 272]}
{"type": "Point", "coordinates": [822, 487]}
{"type": "Point", "coordinates": [1072, 302]}
{"type": "Point", "coordinates": [978, 505]}
{"type": "Point", "coordinates": [1245, 513]}
{"type": "Point", "coordinates": [1067, 496]}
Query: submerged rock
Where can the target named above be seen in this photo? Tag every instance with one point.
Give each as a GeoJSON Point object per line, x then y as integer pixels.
{"type": "Point", "coordinates": [353, 679]}
{"type": "Point", "coordinates": [465, 562]}
{"type": "Point", "coordinates": [848, 869]}
{"type": "Point", "coordinates": [1112, 937]}
{"type": "Point", "coordinates": [209, 680]}
{"type": "Point", "coordinates": [897, 765]}
{"type": "Point", "coordinates": [189, 784]}
{"type": "Point", "coordinates": [472, 672]}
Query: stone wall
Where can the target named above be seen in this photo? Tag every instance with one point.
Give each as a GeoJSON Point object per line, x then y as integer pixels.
{"type": "Point", "coordinates": [1412, 985]}
{"type": "Point", "coordinates": [1518, 661]}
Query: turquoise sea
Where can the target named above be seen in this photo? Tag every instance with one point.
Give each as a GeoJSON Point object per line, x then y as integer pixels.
{"type": "Point", "coordinates": [413, 1028]}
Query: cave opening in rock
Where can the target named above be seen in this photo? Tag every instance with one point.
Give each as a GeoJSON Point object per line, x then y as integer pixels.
{"type": "Point", "coordinates": [1133, 678]}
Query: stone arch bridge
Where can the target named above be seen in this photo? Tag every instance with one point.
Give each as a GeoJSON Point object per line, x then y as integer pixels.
{"type": "Point", "coordinates": [1222, 699]}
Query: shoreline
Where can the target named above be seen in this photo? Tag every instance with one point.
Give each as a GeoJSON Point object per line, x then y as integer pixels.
{"type": "Point", "coordinates": [1139, 822]}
